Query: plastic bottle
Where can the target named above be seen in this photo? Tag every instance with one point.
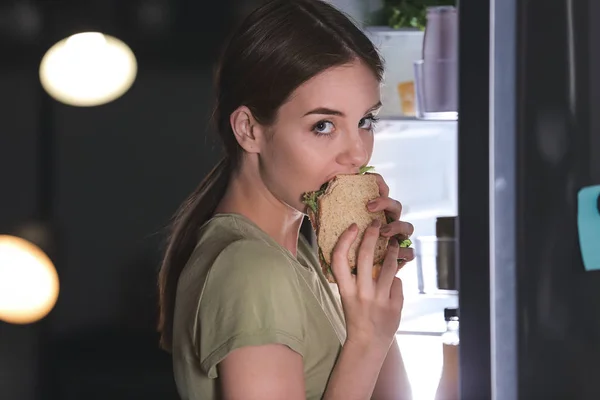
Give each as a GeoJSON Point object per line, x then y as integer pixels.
{"type": "Point", "coordinates": [448, 387]}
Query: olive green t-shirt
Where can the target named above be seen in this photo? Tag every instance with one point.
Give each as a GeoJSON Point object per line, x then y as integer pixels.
{"type": "Point", "coordinates": [241, 288]}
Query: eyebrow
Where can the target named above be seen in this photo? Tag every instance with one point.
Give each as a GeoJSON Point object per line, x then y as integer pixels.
{"type": "Point", "coordinates": [329, 111]}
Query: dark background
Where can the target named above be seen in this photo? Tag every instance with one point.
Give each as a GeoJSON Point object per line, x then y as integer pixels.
{"type": "Point", "coordinates": [117, 174]}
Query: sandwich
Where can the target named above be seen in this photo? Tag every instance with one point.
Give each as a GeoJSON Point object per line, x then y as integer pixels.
{"type": "Point", "coordinates": [338, 204]}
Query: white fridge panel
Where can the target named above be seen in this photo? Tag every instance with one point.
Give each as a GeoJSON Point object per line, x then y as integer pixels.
{"type": "Point", "coordinates": [418, 160]}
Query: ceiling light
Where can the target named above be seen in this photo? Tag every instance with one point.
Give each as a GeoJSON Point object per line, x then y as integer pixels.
{"type": "Point", "coordinates": [88, 69]}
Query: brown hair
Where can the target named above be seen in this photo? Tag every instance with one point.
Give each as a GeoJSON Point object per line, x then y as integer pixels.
{"type": "Point", "coordinates": [279, 46]}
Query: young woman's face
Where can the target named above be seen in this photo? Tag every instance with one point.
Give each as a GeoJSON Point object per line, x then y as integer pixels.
{"type": "Point", "coordinates": [324, 129]}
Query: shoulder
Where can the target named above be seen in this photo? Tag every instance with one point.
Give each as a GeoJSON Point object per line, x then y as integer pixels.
{"type": "Point", "coordinates": [251, 297]}
{"type": "Point", "coordinates": [251, 259]}
{"type": "Point", "coordinates": [250, 272]}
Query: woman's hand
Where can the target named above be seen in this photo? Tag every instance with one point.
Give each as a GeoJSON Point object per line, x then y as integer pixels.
{"type": "Point", "coordinates": [395, 228]}
{"type": "Point", "coordinates": [372, 307]}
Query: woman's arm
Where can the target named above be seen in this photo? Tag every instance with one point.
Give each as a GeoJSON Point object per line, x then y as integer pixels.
{"type": "Point", "coordinates": [355, 372]}
{"type": "Point", "coordinates": [273, 372]}
{"type": "Point", "coordinates": [268, 372]}
{"type": "Point", "coordinates": [393, 381]}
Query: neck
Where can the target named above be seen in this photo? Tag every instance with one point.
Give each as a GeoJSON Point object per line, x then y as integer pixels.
{"type": "Point", "coordinates": [248, 196]}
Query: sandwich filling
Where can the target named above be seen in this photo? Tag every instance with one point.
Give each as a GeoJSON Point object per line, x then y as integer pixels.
{"type": "Point", "coordinates": [311, 200]}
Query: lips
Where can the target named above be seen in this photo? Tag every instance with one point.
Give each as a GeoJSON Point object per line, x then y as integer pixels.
{"type": "Point", "coordinates": [355, 171]}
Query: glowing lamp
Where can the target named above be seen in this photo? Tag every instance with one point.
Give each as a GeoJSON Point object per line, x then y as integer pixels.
{"type": "Point", "coordinates": [88, 69]}
{"type": "Point", "coordinates": [29, 283]}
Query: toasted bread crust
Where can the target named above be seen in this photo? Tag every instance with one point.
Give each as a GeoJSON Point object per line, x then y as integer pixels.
{"type": "Point", "coordinates": [327, 272]}
{"type": "Point", "coordinates": [343, 203]}
{"type": "Point", "coordinates": [377, 270]}
{"type": "Point", "coordinates": [313, 220]}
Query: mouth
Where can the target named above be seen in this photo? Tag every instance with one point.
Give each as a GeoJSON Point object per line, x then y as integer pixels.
{"type": "Point", "coordinates": [321, 188]}
{"type": "Point", "coordinates": [331, 177]}
{"type": "Point", "coordinates": [310, 199]}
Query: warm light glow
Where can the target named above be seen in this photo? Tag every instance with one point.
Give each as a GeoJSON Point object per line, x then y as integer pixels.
{"type": "Point", "coordinates": [88, 69]}
{"type": "Point", "coordinates": [28, 281]}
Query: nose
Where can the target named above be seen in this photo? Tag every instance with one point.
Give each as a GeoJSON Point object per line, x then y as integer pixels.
{"type": "Point", "coordinates": [355, 153]}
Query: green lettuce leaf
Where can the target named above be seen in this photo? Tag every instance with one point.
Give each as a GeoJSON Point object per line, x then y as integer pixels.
{"type": "Point", "coordinates": [365, 168]}
{"type": "Point", "coordinates": [310, 198]}
{"type": "Point", "coordinates": [404, 242]}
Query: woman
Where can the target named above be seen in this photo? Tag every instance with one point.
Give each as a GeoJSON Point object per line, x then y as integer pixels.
{"type": "Point", "coordinates": [245, 309]}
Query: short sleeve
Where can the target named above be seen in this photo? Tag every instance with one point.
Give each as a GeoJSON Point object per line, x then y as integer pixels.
{"type": "Point", "coordinates": [251, 297]}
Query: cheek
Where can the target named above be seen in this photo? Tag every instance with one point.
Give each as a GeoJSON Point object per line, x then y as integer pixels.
{"type": "Point", "coordinates": [368, 143]}
{"type": "Point", "coordinates": [286, 156]}
{"type": "Point", "coordinates": [303, 164]}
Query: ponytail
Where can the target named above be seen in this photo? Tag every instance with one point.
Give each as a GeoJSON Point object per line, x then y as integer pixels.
{"type": "Point", "coordinates": [193, 213]}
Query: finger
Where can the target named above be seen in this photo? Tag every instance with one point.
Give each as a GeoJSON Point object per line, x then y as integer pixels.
{"type": "Point", "coordinates": [366, 253]}
{"type": "Point", "coordinates": [389, 269]}
{"type": "Point", "coordinates": [397, 293]}
{"type": "Point", "coordinates": [384, 189]}
{"type": "Point", "coordinates": [406, 254]}
{"type": "Point", "coordinates": [339, 259]}
{"type": "Point", "coordinates": [393, 208]}
{"type": "Point", "coordinates": [401, 264]}
{"type": "Point", "coordinates": [398, 228]}
{"type": "Point", "coordinates": [404, 259]}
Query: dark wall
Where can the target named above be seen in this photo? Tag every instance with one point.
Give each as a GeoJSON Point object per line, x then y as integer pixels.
{"type": "Point", "coordinates": [18, 125]}
{"type": "Point", "coordinates": [18, 353]}
{"type": "Point", "coordinates": [121, 170]}
{"type": "Point", "coordinates": [119, 173]}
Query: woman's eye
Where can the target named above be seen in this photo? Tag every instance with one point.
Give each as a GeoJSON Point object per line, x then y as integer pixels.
{"type": "Point", "coordinates": [323, 128]}
{"type": "Point", "coordinates": [367, 123]}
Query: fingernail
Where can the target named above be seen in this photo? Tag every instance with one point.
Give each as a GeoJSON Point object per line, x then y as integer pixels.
{"type": "Point", "coordinates": [376, 223]}
{"type": "Point", "coordinates": [385, 229]}
{"type": "Point", "coordinates": [372, 204]}
{"type": "Point", "coordinates": [352, 228]}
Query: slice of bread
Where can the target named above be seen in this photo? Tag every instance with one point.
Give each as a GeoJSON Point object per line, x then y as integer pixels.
{"type": "Point", "coordinates": [343, 203]}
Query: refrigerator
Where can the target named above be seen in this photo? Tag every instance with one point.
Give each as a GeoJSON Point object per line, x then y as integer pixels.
{"type": "Point", "coordinates": [528, 207]}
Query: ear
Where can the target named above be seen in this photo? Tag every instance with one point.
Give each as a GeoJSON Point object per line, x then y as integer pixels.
{"type": "Point", "coordinates": [248, 132]}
